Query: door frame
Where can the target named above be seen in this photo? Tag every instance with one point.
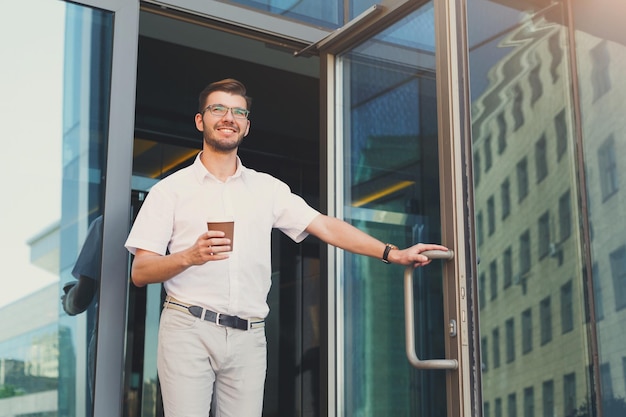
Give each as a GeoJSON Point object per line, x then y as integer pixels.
{"type": "Point", "coordinates": [109, 383]}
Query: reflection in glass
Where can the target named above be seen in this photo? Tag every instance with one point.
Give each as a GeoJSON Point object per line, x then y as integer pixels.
{"type": "Point", "coordinates": [55, 177]}
{"type": "Point", "coordinates": [390, 166]}
{"type": "Point", "coordinates": [521, 94]}
{"type": "Point", "coordinates": [326, 13]}
{"type": "Point", "coordinates": [601, 53]}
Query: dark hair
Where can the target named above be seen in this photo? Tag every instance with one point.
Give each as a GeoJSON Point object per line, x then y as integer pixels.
{"type": "Point", "coordinates": [228, 85]}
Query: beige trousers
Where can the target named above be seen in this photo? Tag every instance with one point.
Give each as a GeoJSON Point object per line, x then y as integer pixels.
{"type": "Point", "coordinates": [198, 360]}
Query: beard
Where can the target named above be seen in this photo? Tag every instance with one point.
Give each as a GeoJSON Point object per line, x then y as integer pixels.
{"type": "Point", "coordinates": [223, 145]}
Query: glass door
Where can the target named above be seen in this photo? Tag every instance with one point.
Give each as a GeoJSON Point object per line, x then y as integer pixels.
{"type": "Point", "coordinates": [398, 177]}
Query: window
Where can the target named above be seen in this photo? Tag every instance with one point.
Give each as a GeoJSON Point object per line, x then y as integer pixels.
{"type": "Point", "coordinates": [518, 112]}
{"type": "Point", "coordinates": [618, 273]}
{"type": "Point", "coordinates": [561, 134]}
{"type": "Point", "coordinates": [545, 317]}
{"type": "Point", "coordinates": [507, 265]}
{"type": "Point", "coordinates": [606, 384]}
{"type": "Point", "coordinates": [511, 406]}
{"type": "Point", "coordinates": [600, 75]}
{"type": "Point", "coordinates": [541, 159]}
{"type": "Point", "coordinates": [493, 279]}
{"type": "Point", "coordinates": [486, 409]}
{"type": "Point", "coordinates": [498, 410]}
{"type": "Point", "coordinates": [484, 351]}
{"type": "Point", "coordinates": [607, 168]}
{"type": "Point", "coordinates": [598, 298]}
{"type": "Point", "coordinates": [536, 88]}
{"type": "Point", "coordinates": [501, 133]}
{"type": "Point", "coordinates": [567, 308]}
{"type": "Point", "coordinates": [479, 228]}
{"type": "Point", "coordinates": [527, 331]}
{"type": "Point", "coordinates": [495, 346]}
{"type": "Point", "coordinates": [529, 402]}
{"type": "Point", "coordinates": [543, 224]}
{"type": "Point", "coordinates": [481, 290]}
{"type": "Point", "coordinates": [547, 394]}
{"type": "Point", "coordinates": [505, 191]}
{"type": "Point", "coordinates": [477, 168]}
{"type": "Point", "coordinates": [488, 156]}
{"type": "Point", "coordinates": [569, 394]}
{"type": "Point", "coordinates": [565, 216]}
{"type": "Point", "coordinates": [522, 179]}
{"type": "Point", "coordinates": [491, 216]}
{"type": "Point", "coordinates": [510, 340]}
{"type": "Point", "coordinates": [524, 253]}
{"type": "Point", "coordinates": [554, 45]}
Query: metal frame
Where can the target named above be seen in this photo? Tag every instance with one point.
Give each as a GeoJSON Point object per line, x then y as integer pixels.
{"type": "Point", "coordinates": [109, 378]}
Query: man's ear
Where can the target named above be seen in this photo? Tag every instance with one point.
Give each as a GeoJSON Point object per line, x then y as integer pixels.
{"type": "Point", "coordinates": [247, 129]}
{"type": "Point", "coordinates": [199, 122]}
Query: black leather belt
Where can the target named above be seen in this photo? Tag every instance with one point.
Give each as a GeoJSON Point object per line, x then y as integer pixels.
{"type": "Point", "coordinates": [208, 315]}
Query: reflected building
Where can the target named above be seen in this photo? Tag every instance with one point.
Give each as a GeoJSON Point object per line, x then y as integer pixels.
{"type": "Point", "coordinates": [29, 355]}
{"type": "Point", "coordinates": [537, 353]}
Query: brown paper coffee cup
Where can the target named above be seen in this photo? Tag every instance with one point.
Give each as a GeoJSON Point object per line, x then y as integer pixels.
{"type": "Point", "coordinates": [226, 226]}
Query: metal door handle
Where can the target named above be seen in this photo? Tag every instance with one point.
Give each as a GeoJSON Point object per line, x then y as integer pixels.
{"type": "Point", "coordinates": [410, 322]}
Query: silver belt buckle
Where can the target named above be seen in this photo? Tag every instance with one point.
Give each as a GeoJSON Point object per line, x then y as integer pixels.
{"type": "Point", "coordinates": [217, 319]}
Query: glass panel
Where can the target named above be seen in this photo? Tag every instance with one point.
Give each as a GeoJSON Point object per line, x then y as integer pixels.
{"type": "Point", "coordinates": [390, 167]}
{"type": "Point", "coordinates": [56, 188]}
{"type": "Point", "coordinates": [600, 51]}
{"type": "Point", "coordinates": [326, 13]}
{"type": "Point", "coordinates": [520, 87]}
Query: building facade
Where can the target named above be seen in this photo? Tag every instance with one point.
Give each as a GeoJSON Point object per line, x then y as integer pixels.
{"type": "Point", "coordinates": [492, 126]}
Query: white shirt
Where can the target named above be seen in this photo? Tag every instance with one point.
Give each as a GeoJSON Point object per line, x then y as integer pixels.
{"type": "Point", "coordinates": [175, 213]}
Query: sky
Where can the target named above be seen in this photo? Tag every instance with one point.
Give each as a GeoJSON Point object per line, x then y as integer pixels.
{"type": "Point", "coordinates": [31, 75]}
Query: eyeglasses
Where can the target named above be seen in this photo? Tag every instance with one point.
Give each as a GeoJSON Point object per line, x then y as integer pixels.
{"type": "Point", "coordinates": [219, 110]}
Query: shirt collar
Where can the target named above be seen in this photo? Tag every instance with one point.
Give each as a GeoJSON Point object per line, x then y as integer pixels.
{"type": "Point", "coordinates": [201, 172]}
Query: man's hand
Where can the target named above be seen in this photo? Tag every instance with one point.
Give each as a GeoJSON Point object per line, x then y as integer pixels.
{"type": "Point", "coordinates": [210, 246]}
{"type": "Point", "coordinates": [412, 255]}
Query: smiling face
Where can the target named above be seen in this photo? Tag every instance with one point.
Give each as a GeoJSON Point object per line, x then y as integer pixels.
{"type": "Point", "coordinates": [223, 133]}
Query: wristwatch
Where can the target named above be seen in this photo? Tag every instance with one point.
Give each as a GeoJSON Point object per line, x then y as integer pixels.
{"type": "Point", "coordinates": [388, 247]}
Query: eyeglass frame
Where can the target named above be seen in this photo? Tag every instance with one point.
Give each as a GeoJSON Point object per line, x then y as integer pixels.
{"type": "Point", "coordinates": [244, 116]}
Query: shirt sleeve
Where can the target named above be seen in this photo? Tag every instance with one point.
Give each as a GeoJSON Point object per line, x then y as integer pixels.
{"type": "Point", "coordinates": [90, 256]}
{"type": "Point", "coordinates": [292, 215]}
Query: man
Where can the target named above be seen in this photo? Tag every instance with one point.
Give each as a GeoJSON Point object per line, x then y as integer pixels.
{"type": "Point", "coordinates": [212, 336]}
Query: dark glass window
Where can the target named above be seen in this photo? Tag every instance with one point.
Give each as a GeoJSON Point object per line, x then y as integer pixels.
{"type": "Point", "coordinates": [527, 331]}
{"type": "Point", "coordinates": [560, 128]}
{"type": "Point", "coordinates": [522, 179]}
{"type": "Point", "coordinates": [511, 406]}
{"type": "Point", "coordinates": [618, 273]}
{"type": "Point", "coordinates": [607, 161]}
{"type": "Point", "coordinates": [545, 317]}
{"type": "Point", "coordinates": [495, 347]}
{"type": "Point", "coordinates": [524, 253]}
{"type": "Point", "coordinates": [493, 279]}
{"type": "Point", "coordinates": [600, 74]}
{"type": "Point", "coordinates": [488, 155]}
{"type": "Point", "coordinates": [567, 308]}
{"type": "Point", "coordinates": [565, 216]}
{"type": "Point", "coordinates": [529, 402]}
{"type": "Point", "coordinates": [569, 394]}
{"type": "Point", "coordinates": [547, 394]}
{"type": "Point", "coordinates": [518, 111]}
{"type": "Point", "coordinates": [505, 190]}
{"type": "Point", "coordinates": [541, 159]}
{"type": "Point", "coordinates": [536, 88]}
{"type": "Point", "coordinates": [501, 133]}
{"type": "Point", "coordinates": [543, 245]}
{"type": "Point", "coordinates": [507, 266]}
{"type": "Point", "coordinates": [491, 216]}
{"type": "Point", "coordinates": [509, 326]}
